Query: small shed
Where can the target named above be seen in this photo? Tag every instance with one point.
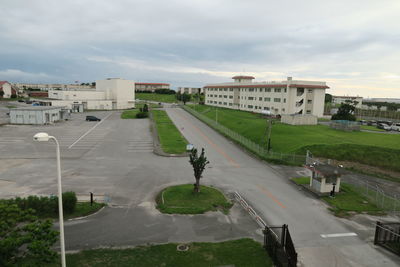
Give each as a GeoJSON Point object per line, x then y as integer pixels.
{"type": "Point", "coordinates": [38, 115]}
{"type": "Point", "coordinates": [325, 177]}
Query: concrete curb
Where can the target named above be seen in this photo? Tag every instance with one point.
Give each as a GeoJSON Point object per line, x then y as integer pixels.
{"type": "Point", "coordinates": [156, 141]}
{"type": "Point", "coordinates": [84, 217]}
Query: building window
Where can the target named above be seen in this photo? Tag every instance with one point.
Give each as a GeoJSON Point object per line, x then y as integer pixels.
{"type": "Point", "coordinates": [251, 98]}
{"type": "Point", "coordinates": [231, 89]}
{"type": "Point", "coordinates": [284, 90]}
{"type": "Point", "coordinates": [250, 106]}
{"type": "Point", "coordinates": [310, 90]}
{"type": "Point", "coordinates": [231, 96]}
{"type": "Point", "coordinates": [251, 89]}
{"type": "Point", "coordinates": [225, 103]}
{"type": "Point", "coordinates": [277, 100]}
{"type": "Point", "coordinates": [220, 103]}
{"type": "Point", "coordinates": [308, 111]}
{"type": "Point", "coordinates": [260, 99]}
{"type": "Point", "coordinates": [267, 90]}
{"type": "Point", "coordinates": [284, 100]}
{"type": "Point", "coordinates": [277, 90]}
{"type": "Point", "coordinates": [266, 108]}
{"type": "Point", "coordinates": [309, 101]}
{"type": "Point", "coordinates": [225, 96]}
{"type": "Point", "coordinates": [230, 104]}
{"type": "Point", "coordinates": [268, 99]}
{"type": "Point", "coordinates": [220, 96]}
{"type": "Point", "coordinates": [261, 90]}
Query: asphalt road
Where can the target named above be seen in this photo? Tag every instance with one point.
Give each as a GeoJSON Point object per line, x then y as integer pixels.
{"type": "Point", "coordinates": [279, 201]}
{"type": "Point", "coordinates": [114, 158]}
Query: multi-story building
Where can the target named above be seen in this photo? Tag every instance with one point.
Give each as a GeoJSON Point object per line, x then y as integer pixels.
{"type": "Point", "coordinates": [348, 99]}
{"type": "Point", "coordinates": [277, 97]}
{"type": "Point", "coordinates": [151, 87]}
{"type": "Point", "coordinates": [7, 89]}
{"type": "Point", "coordinates": [190, 90]}
{"type": "Point", "coordinates": [112, 93]}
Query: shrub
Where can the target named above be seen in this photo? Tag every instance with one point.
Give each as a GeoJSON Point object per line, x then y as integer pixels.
{"type": "Point", "coordinates": [13, 96]}
{"type": "Point", "coordinates": [69, 201]}
{"type": "Point", "coordinates": [142, 115]}
{"type": "Point", "coordinates": [145, 108]}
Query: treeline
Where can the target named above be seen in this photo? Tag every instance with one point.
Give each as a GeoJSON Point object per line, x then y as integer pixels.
{"type": "Point", "coordinates": [390, 106]}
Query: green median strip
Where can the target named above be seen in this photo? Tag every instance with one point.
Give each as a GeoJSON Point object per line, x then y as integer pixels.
{"type": "Point", "coordinates": [171, 140]}
{"type": "Point", "coordinates": [181, 199]}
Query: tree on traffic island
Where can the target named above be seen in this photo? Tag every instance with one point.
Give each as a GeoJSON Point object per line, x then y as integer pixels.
{"type": "Point", "coordinates": [199, 164]}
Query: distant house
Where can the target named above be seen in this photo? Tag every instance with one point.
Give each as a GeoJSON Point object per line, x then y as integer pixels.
{"type": "Point", "coordinates": [7, 89]}
{"type": "Point", "coordinates": [190, 90]}
{"type": "Point", "coordinates": [348, 99]}
{"type": "Point", "coordinates": [150, 87]}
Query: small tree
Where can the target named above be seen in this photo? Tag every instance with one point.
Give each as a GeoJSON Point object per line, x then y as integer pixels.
{"type": "Point", "coordinates": [199, 164]}
{"type": "Point", "coordinates": [185, 98]}
{"type": "Point", "coordinates": [345, 112]}
{"type": "Point", "coordinates": [145, 108]}
{"type": "Point", "coordinates": [1, 94]}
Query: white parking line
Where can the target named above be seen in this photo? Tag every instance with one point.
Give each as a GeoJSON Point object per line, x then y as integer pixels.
{"type": "Point", "coordinates": [91, 129]}
{"type": "Point", "coordinates": [338, 235]}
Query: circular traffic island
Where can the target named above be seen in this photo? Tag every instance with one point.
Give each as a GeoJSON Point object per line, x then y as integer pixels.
{"type": "Point", "coordinates": [181, 199]}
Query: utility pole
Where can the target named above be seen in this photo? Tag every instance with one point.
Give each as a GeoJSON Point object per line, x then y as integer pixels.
{"type": "Point", "coordinates": [216, 115]}
{"type": "Point", "coordinates": [269, 135]}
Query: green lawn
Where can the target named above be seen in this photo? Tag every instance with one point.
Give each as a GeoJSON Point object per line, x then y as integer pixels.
{"type": "Point", "coordinates": [181, 199]}
{"type": "Point", "coordinates": [351, 199]}
{"type": "Point", "coordinates": [368, 148]}
{"type": "Point", "coordinates": [84, 209]}
{"type": "Point", "coordinates": [129, 114]}
{"type": "Point", "coordinates": [171, 140]}
{"type": "Point", "coordinates": [156, 97]}
{"type": "Point", "coordinates": [240, 253]}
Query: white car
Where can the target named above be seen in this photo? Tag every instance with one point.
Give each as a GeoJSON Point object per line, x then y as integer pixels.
{"type": "Point", "coordinates": [395, 127]}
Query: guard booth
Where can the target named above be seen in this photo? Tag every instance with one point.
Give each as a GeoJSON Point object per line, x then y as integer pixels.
{"type": "Point", "coordinates": [325, 178]}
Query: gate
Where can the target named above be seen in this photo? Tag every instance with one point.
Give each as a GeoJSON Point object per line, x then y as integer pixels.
{"type": "Point", "coordinates": [279, 245]}
{"type": "Point", "coordinates": [387, 235]}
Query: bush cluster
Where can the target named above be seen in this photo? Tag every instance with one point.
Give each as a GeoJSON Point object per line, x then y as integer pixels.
{"type": "Point", "coordinates": [46, 206]}
{"type": "Point", "coordinates": [141, 115]}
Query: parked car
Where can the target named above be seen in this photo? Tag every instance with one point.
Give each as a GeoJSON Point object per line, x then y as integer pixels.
{"type": "Point", "coordinates": [28, 102]}
{"type": "Point", "coordinates": [395, 127]}
{"type": "Point", "coordinates": [363, 122]}
{"type": "Point", "coordinates": [21, 100]}
{"type": "Point", "coordinates": [92, 118]}
{"type": "Point", "coordinates": [371, 123]}
{"type": "Point", "coordinates": [384, 127]}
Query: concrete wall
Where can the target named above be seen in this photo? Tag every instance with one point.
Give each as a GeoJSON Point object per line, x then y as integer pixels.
{"type": "Point", "coordinates": [105, 104]}
{"type": "Point", "coordinates": [299, 119]}
{"type": "Point", "coordinates": [120, 90]}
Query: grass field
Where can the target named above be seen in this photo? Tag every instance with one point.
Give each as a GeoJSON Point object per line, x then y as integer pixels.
{"type": "Point", "coordinates": [241, 253]}
{"type": "Point", "coordinates": [171, 140]}
{"type": "Point", "coordinates": [382, 150]}
{"type": "Point", "coordinates": [371, 128]}
{"type": "Point", "coordinates": [156, 97]}
{"type": "Point", "coordinates": [84, 209]}
{"type": "Point", "coordinates": [182, 200]}
{"type": "Point", "coordinates": [129, 114]}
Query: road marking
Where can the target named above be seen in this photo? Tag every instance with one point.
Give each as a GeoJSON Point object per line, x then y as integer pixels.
{"type": "Point", "coordinates": [270, 195]}
{"type": "Point", "coordinates": [338, 235]}
{"type": "Point", "coordinates": [216, 147]}
{"type": "Point", "coordinates": [91, 129]}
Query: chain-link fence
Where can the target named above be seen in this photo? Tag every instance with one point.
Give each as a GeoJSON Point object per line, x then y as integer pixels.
{"type": "Point", "coordinates": [257, 149]}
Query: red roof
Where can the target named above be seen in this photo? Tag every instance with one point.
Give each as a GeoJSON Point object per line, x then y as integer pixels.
{"type": "Point", "coordinates": [3, 82]}
{"type": "Point", "coordinates": [152, 83]}
{"type": "Point", "coordinates": [243, 77]}
{"type": "Point", "coordinates": [268, 86]}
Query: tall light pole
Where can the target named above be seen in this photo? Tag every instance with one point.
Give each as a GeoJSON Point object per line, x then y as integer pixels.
{"type": "Point", "coordinates": [44, 137]}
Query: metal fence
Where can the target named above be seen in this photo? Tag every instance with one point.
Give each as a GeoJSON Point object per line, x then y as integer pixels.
{"type": "Point", "coordinates": [376, 195]}
{"type": "Point", "coordinates": [256, 148]}
{"type": "Point", "coordinates": [387, 235]}
{"type": "Point", "coordinates": [389, 202]}
{"type": "Point", "coordinates": [279, 244]}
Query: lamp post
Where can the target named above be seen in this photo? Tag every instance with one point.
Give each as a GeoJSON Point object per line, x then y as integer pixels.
{"type": "Point", "coordinates": [44, 137]}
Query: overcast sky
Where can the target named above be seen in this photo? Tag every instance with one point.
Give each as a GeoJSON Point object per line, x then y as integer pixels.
{"type": "Point", "coordinates": [353, 45]}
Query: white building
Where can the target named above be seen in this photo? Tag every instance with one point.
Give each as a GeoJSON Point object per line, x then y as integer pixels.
{"type": "Point", "coordinates": [151, 87]}
{"type": "Point", "coordinates": [7, 89]}
{"type": "Point", "coordinates": [346, 99]}
{"type": "Point", "coordinates": [278, 97]}
{"type": "Point", "coordinates": [190, 90]}
{"type": "Point", "coordinates": [112, 93]}
{"type": "Point", "coordinates": [37, 115]}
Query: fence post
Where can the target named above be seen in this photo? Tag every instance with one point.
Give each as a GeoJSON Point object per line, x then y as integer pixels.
{"type": "Point", "coordinates": [377, 230]}
{"type": "Point", "coordinates": [283, 237]}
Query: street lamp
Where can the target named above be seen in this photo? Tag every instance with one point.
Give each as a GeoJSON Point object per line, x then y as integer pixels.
{"type": "Point", "coordinates": [44, 137]}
